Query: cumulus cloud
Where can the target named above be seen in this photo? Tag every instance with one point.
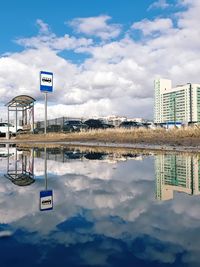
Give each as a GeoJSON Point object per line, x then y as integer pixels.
{"type": "Point", "coordinates": [156, 26]}
{"type": "Point", "coordinates": [53, 42]}
{"type": "Point", "coordinates": [96, 26]}
{"type": "Point", "coordinates": [44, 27]}
{"type": "Point", "coordinates": [163, 4]}
{"type": "Point", "coordinates": [112, 75]}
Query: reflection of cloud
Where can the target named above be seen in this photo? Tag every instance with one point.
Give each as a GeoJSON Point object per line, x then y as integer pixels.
{"type": "Point", "coordinates": [83, 167]}
{"type": "Point", "coordinates": [104, 217]}
{"type": "Point", "coordinates": [94, 256]}
{"type": "Point", "coordinates": [4, 234]}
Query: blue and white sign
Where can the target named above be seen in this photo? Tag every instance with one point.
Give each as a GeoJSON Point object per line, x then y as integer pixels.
{"type": "Point", "coordinates": [46, 200]}
{"type": "Point", "coordinates": [46, 81]}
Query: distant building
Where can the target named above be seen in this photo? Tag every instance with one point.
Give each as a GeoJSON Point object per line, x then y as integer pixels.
{"type": "Point", "coordinates": [114, 120]}
{"type": "Point", "coordinates": [137, 120]}
{"type": "Point", "coordinates": [178, 104]}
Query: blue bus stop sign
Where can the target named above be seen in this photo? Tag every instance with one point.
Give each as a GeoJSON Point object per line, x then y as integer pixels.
{"type": "Point", "coordinates": [46, 81]}
{"type": "Point", "coordinates": [46, 200]}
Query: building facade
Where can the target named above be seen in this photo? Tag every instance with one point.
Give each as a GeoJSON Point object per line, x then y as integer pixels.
{"type": "Point", "coordinates": [178, 104]}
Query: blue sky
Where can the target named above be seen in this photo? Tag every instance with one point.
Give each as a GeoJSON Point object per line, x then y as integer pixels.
{"type": "Point", "coordinates": [105, 54]}
{"type": "Point", "coordinates": [19, 17]}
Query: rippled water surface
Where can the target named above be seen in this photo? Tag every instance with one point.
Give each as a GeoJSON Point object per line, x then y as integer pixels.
{"type": "Point", "coordinates": [68, 207]}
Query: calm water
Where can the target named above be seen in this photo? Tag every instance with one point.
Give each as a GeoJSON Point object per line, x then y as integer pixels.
{"type": "Point", "coordinates": [102, 209]}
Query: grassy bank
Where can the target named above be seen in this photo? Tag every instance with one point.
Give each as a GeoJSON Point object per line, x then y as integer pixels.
{"type": "Point", "coordinates": [178, 137]}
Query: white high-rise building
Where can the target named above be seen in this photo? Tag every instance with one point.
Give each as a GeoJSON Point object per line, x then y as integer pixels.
{"type": "Point", "coordinates": [178, 104]}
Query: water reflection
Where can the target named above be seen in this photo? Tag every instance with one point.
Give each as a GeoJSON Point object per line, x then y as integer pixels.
{"type": "Point", "coordinates": [70, 154]}
{"type": "Point", "coordinates": [20, 165]}
{"type": "Point", "coordinates": [105, 212]}
{"type": "Point", "coordinates": [20, 171]}
{"type": "Point", "coordinates": [177, 173]}
{"type": "Point", "coordinates": [46, 196]}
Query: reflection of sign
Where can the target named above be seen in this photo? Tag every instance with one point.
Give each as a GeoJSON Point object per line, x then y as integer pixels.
{"type": "Point", "coordinates": [46, 200]}
{"type": "Point", "coordinates": [46, 81]}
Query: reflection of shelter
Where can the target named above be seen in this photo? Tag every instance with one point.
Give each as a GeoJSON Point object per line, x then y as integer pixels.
{"type": "Point", "coordinates": [179, 173]}
{"type": "Point", "coordinates": [25, 105]}
{"type": "Point", "coordinates": [20, 167]}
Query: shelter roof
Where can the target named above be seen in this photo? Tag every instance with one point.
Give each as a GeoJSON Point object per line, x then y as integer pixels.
{"type": "Point", "coordinates": [21, 101]}
{"type": "Point", "coordinates": [23, 180]}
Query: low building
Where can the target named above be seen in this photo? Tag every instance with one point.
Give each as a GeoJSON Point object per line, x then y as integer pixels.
{"type": "Point", "coordinates": [114, 120]}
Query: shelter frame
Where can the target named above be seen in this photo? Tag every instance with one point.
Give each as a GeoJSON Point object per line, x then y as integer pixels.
{"type": "Point", "coordinates": [24, 104]}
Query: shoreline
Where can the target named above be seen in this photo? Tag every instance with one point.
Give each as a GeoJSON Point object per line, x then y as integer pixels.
{"type": "Point", "coordinates": [179, 140]}
{"type": "Point", "coordinates": [92, 144]}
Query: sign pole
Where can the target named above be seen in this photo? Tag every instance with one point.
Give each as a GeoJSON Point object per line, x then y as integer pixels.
{"type": "Point", "coordinates": [46, 86]}
{"type": "Point", "coordinates": [45, 119]}
{"type": "Point", "coordinates": [46, 196]}
{"type": "Point", "coordinates": [45, 167]}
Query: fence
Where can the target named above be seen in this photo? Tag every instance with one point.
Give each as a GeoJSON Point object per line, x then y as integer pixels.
{"type": "Point", "coordinates": [55, 124]}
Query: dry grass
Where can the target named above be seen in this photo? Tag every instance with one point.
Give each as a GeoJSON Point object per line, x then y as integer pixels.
{"type": "Point", "coordinates": [189, 136]}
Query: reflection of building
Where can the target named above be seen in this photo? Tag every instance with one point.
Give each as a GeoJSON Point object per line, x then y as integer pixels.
{"type": "Point", "coordinates": [178, 173]}
{"type": "Point", "coordinates": [179, 104]}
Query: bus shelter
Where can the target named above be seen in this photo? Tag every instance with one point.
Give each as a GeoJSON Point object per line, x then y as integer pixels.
{"type": "Point", "coordinates": [23, 107]}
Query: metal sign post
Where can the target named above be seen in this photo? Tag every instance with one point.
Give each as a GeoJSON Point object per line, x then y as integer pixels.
{"type": "Point", "coordinates": [45, 117]}
{"type": "Point", "coordinates": [46, 86]}
{"type": "Point", "coordinates": [46, 196]}
{"type": "Point", "coordinates": [45, 167]}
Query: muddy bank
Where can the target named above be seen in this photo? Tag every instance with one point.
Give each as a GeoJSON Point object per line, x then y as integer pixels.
{"type": "Point", "coordinates": [183, 140]}
{"type": "Point", "coordinates": [105, 146]}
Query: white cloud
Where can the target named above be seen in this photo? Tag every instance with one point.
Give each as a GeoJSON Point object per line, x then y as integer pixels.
{"type": "Point", "coordinates": [162, 4]}
{"type": "Point", "coordinates": [156, 26]}
{"type": "Point", "coordinates": [114, 77]}
{"type": "Point", "coordinates": [188, 3]}
{"type": "Point", "coordinates": [44, 27]}
{"type": "Point", "coordinates": [96, 26]}
{"type": "Point", "coordinates": [53, 42]}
